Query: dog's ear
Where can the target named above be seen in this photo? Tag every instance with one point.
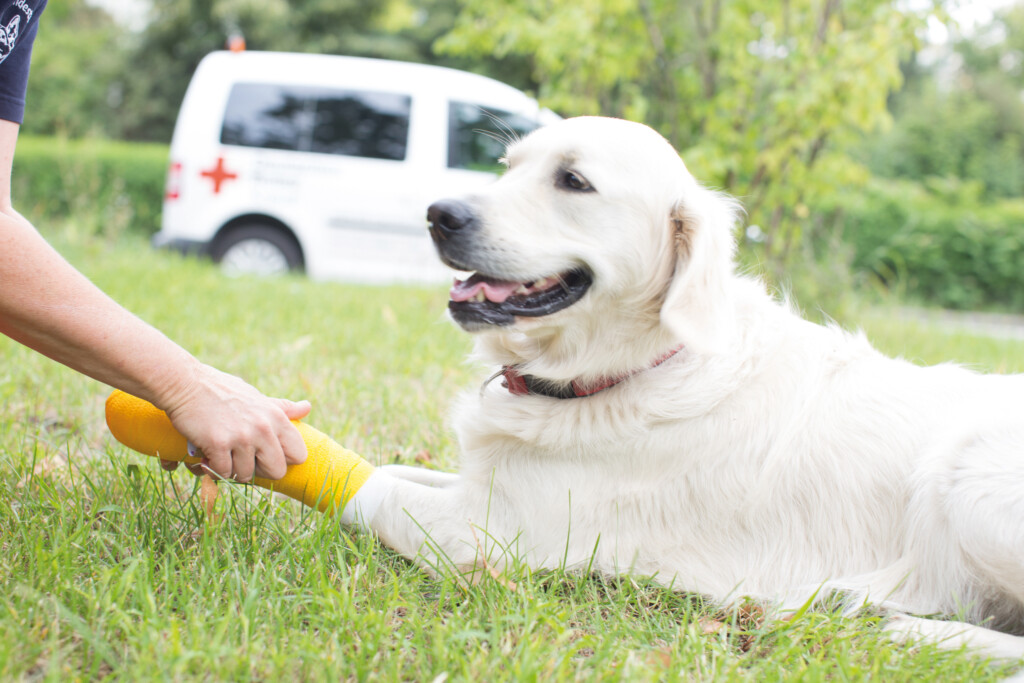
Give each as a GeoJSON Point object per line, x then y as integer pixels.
{"type": "Point", "coordinates": [698, 305]}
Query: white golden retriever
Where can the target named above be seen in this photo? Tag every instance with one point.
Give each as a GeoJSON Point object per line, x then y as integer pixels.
{"type": "Point", "coordinates": [656, 413]}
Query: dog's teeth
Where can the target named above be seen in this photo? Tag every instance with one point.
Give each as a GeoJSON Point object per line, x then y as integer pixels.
{"type": "Point", "coordinates": [523, 289]}
{"type": "Point", "coordinates": [479, 296]}
{"type": "Point", "coordinates": [541, 284]}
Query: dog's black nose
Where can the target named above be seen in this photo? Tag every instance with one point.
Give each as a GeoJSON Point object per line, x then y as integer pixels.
{"type": "Point", "coordinates": [449, 216]}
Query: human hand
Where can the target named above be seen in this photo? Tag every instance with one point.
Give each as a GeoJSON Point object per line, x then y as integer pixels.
{"type": "Point", "coordinates": [240, 432]}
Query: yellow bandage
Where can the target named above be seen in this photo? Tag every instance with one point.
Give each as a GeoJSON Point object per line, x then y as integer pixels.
{"type": "Point", "coordinates": [327, 480]}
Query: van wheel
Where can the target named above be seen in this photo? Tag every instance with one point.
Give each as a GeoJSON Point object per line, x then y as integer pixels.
{"type": "Point", "coordinates": [257, 250]}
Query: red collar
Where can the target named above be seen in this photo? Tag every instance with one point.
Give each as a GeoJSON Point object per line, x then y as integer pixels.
{"type": "Point", "coordinates": [522, 385]}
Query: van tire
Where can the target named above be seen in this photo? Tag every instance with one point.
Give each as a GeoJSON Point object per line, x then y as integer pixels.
{"type": "Point", "coordinates": [255, 249]}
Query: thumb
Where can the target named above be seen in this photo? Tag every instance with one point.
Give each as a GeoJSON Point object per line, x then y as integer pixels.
{"type": "Point", "coordinates": [295, 410]}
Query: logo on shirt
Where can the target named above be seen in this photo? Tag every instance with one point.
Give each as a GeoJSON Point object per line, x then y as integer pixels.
{"type": "Point", "coordinates": [9, 36]}
{"type": "Point", "coordinates": [23, 6]}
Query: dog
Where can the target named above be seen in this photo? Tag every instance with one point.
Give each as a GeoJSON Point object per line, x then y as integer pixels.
{"type": "Point", "coordinates": [654, 412]}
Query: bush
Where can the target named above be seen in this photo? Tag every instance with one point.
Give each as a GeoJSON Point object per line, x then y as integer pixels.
{"type": "Point", "coordinates": [957, 135]}
{"type": "Point", "coordinates": [938, 241]}
{"type": "Point", "coordinates": [107, 186]}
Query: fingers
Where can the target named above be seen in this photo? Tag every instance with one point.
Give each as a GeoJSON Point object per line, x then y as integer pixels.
{"type": "Point", "coordinates": [263, 452]}
{"type": "Point", "coordinates": [292, 445]}
{"type": "Point", "coordinates": [235, 464]}
{"type": "Point", "coordinates": [295, 410]}
{"type": "Point", "coordinates": [241, 432]}
{"type": "Point", "coordinates": [218, 462]}
{"type": "Point", "coordinates": [269, 460]}
{"type": "Point", "coordinates": [244, 464]}
{"type": "Point", "coordinates": [282, 444]}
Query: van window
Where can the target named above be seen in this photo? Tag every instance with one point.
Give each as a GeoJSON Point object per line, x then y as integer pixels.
{"type": "Point", "coordinates": [268, 116]}
{"type": "Point", "coordinates": [477, 136]}
{"type": "Point", "coordinates": [321, 120]}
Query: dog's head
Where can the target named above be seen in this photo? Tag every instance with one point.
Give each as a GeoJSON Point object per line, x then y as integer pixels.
{"type": "Point", "coordinates": [596, 233]}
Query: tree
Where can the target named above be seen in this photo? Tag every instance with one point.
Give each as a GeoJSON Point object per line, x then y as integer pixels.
{"type": "Point", "coordinates": [962, 117]}
{"type": "Point", "coordinates": [181, 32]}
{"type": "Point", "coordinates": [74, 39]}
{"type": "Point", "coordinates": [93, 77]}
{"type": "Point", "coordinates": [761, 97]}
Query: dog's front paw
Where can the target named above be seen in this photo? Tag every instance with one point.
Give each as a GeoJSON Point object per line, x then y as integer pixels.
{"type": "Point", "coordinates": [952, 635]}
{"type": "Point", "coordinates": [418, 475]}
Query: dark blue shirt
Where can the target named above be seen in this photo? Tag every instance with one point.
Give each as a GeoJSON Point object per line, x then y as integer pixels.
{"type": "Point", "coordinates": [19, 20]}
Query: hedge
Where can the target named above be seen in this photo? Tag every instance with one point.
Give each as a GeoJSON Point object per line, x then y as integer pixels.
{"type": "Point", "coordinates": [938, 242]}
{"type": "Point", "coordinates": [105, 185]}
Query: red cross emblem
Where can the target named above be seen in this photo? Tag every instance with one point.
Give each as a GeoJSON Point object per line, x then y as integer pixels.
{"type": "Point", "coordinates": [218, 175]}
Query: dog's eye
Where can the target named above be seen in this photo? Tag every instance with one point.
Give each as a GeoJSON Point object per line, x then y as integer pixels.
{"type": "Point", "coordinates": [571, 180]}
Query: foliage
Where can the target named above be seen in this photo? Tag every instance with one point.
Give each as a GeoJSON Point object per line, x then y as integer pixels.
{"type": "Point", "coordinates": [939, 242]}
{"type": "Point", "coordinates": [73, 89]}
{"type": "Point", "coordinates": [761, 97]}
{"type": "Point", "coordinates": [112, 570]}
{"type": "Point", "coordinates": [417, 25]}
{"type": "Point", "coordinates": [950, 135]}
{"type": "Point", "coordinates": [951, 230]}
{"type": "Point", "coordinates": [108, 186]}
{"type": "Point", "coordinates": [962, 116]}
{"type": "Point", "coordinates": [136, 81]}
{"type": "Point", "coordinates": [181, 32]}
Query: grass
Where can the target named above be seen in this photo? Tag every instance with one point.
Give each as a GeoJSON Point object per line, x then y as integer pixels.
{"type": "Point", "coordinates": [111, 570]}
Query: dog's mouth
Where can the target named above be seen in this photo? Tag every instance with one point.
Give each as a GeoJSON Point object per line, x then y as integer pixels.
{"type": "Point", "coordinates": [480, 300]}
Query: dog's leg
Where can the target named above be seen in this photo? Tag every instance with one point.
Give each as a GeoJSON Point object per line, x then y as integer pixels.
{"type": "Point", "coordinates": [439, 527]}
{"type": "Point", "coordinates": [420, 475]}
{"type": "Point", "coordinates": [982, 496]}
{"type": "Point", "coordinates": [967, 541]}
{"type": "Point", "coordinates": [953, 635]}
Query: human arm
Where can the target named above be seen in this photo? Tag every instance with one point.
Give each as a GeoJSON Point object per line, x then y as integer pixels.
{"type": "Point", "coordinates": [49, 306]}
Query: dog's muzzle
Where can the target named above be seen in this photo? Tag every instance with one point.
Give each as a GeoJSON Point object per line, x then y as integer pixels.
{"type": "Point", "coordinates": [484, 300]}
{"type": "Point", "coordinates": [450, 217]}
{"type": "Point", "coordinates": [453, 225]}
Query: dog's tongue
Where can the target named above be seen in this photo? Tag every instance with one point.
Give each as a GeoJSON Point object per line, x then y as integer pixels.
{"type": "Point", "coordinates": [494, 290]}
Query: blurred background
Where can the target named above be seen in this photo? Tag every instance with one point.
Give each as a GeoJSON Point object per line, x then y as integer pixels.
{"type": "Point", "coordinates": [877, 146]}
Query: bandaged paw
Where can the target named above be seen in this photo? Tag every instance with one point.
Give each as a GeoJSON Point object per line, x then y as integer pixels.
{"type": "Point", "coordinates": [328, 480]}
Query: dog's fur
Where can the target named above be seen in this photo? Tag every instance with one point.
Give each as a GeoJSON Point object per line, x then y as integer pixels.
{"type": "Point", "coordinates": [770, 457]}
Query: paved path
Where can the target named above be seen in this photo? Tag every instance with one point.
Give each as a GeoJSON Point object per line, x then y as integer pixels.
{"type": "Point", "coordinates": [997, 325]}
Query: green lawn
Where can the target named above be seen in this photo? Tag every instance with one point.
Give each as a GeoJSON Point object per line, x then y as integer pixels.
{"type": "Point", "coordinates": [110, 570]}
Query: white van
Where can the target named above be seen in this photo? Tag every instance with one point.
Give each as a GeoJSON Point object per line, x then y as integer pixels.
{"type": "Point", "coordinates": [327, 164]}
